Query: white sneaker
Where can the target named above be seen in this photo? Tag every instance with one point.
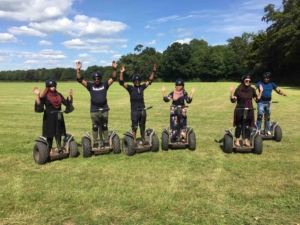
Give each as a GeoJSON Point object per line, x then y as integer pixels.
{"type": "Point", "coordinates": [269, 133]}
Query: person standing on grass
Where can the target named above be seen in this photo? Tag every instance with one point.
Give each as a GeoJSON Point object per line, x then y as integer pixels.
{"type": "Point", "coordinates": [136, 93]}
{"type": "Point", "coordinates": [98, 92]}
{"type": "Point", "coordinates": [52, 100]}
{"type": "Point", "coordinates": [266, 97]}
{"type": "Point", "coordinates": [179, 95]}
{"type": "Point", "coordinates": [243, 96]}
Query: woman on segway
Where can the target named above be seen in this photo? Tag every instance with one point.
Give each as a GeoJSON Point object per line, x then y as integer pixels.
{"type": "Point", "coordinates": [52, 100]}
{"type": "Point", "coordinates": [179, 95]}
{"type": "Point", "coordinates": [243, 96]}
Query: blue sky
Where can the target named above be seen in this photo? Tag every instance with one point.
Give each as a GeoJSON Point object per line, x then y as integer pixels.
{"type": "Point", "coordinates": [57, 33]}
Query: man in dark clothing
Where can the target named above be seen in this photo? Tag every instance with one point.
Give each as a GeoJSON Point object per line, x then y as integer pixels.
{"type": "Point", "coordinates": [136, 93]}
{"type": "Point", "coordinates": [99, 107]}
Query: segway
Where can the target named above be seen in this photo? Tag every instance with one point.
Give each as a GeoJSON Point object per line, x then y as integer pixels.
{"type": "Point", "coordinates": [275, 129]}
{"type": "Point", "coordinates": [190, 141]}
{"type": "Point", "coordinates": [41, 151]}
{"type": "Point", "coordinates": [148, 142]}
{"type": "Point", "coordinates": [87, 147]}
{"type": "Point", "coordinates": [256, 142]}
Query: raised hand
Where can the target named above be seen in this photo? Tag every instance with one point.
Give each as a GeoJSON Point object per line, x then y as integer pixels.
{"type": "Point", "coordinates": [154, 67]}
{"type": "Point", "coordinates": [36, 90]}
{"type": "Point", "coordinates": [163, 89]}
{"type": "Point", "coordinates": [122, 70]}
{"type": "Point", "coordinates": [193, 90]}
{"type": "Point", "coordinates": [71, 92]}
{"type": "Point", "coordinates": [78, 65]}
{"type": "Point", "coordinates": [114, 65]}
{"type": "Point", "coordinates": [231, 88]}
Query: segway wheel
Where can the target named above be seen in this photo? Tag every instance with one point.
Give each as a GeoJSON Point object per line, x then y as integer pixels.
{"type": "Point", "coordinates": [40, 153]}
{"type": "Point", "coordinates": [258, 145]}
{"type": "Point", "coordinates": [86, 147]}
{"type": "Point", "coordinates": [155, 143]}
{"type": "Point", "coordinates": [116, 144]}
{"type": "Point", "coordinates": [165, 141]}
{"type": "Point", "coordinates": [192, 141]}
{"type": "Point", "coordinates": [73, 148]}
{"type": "Point", "coordinates": [278, 134]}
{"type": "Point", "coordinates": [228, 143]}
{"type": "Point", "coordinates": [128, 146]}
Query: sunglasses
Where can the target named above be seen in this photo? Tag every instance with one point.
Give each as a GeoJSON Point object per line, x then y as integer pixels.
{"type": "Point", "coordinates": [247, 81]}
{"type": "Point", "coordinates": [96, 78]}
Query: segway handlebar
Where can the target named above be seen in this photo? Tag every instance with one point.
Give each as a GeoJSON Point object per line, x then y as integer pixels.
{"type": "Point", "coordinates": [180, 106]}
{"type": "Point", "coordinates": [58, 111]}
{"type": "Point", "coordinates": [245, 108]}
{"type": "Point", "coordinates": [140, 109]}
{"type": "Point", "coordinates": [101, 109]}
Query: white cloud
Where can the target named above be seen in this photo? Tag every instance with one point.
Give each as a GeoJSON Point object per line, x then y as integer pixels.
{"type": "Point", "coordinates": [121, 46]}
{"type": "Point", "coordinates": [116, 57]}
{"type": "Point", "coordinates": [3, 59]}
{"type": "Point", "coordinates": [23, 30]}
{"type": "Point", "coordinates": [48, 54]}
{"type": "Point", "coordinates": [3, 53]}
{"type": "Point", "coordinates": [106, 40]}
{"type": "Point", "coordinates": [166, 19]}
{"type": "Point", "coordinates": [150, 27]}
{"type": "Point", "coordinates": [184, 41]}
{"type": "Point", "coordinates": [81, 26]}
{"type": "Point", "coordinates": [6, 38]}
{"type": "Point", "coordinates": [153, 42]}
{"type": "Point", "coordinates": [43, 42]}
{"type": "Point", "coordinates": [34, 10]}
{"type": "Point", "coordinates": [81, 45]}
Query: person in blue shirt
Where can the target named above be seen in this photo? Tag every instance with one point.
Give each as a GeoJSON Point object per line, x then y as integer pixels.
{"type": "Point", "coordinates": [98, 92]}
{"type": "Point", "coordinates": [136, 93]}
{"type": "Point", "coordinates": [266, 97]}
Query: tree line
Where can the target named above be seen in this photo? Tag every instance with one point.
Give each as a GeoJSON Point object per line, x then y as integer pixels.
{"type": "Point", "coordinates": [277, 49]}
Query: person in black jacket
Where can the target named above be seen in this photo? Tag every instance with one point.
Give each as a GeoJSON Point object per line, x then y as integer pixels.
{"type": "Point", "coordinates": [98, 91]}
{"type": "Point", "coordinates": [136, 93]}
{"type": "Point", "coordinates": [243, 95]}
{"type": "Point", "coordinates": [179, 96]}
{"type": "Point", "coordinates": [52, 100]}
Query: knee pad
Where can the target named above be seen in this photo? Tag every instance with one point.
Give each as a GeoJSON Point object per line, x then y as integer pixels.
{"type": "Point", "coordinates": [95, 127]}
{"type": "Point", "coordinates": [247, 127]}
{"type": "Point", "coordinates": [259, 117]}
{"type": "Point", "coordinates": [104, 126]}
{"type": "Point", "coordinates": [268, 117]}
{"type": "Point", "coordinates": [239, 126]}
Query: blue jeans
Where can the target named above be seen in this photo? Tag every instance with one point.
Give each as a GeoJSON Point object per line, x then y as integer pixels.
{"type": "Point", "coordinates": [262, 106]}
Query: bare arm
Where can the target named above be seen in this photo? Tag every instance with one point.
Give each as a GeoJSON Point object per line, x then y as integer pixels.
{"type": "Point", "coordinates": [122, 82]}
{"type": "Point", "coordinates": [150, 79]}
{"type": "Point", "coordinates": [114, 75]}
{"type": "Point", "coordinates": [280, 92]}
{"type": "Point", "coordinates": [78, 75]}
{"type": "Point", "coordinates": [192, 92]}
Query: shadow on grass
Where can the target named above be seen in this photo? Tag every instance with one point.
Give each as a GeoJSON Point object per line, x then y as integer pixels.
{"type": "Point", "coordinates": [233, 150]}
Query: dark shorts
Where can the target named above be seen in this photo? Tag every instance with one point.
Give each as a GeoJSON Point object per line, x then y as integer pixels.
{"type": "Point", "coordinates": [136, 118]}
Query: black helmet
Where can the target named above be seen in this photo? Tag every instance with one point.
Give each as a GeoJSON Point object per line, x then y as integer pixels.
{"type": "Point", "coordinates": [50, 83]}
{"type": "Point", "coordinates": [245, 76]}
{"type": "Point", "coordinates": [179, 82]}
{"type": "Point", "coordinates": [136, 77]}
{"type": "Point", "coordinates": [267, 74]}
{"type": "Point", "coordinates": [97, 74]}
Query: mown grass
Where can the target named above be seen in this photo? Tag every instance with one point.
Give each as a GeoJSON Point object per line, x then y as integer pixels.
{"type": "Point", "coordinates": [205, 186]}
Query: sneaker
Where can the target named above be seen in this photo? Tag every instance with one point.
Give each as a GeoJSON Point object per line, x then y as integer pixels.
{"type": "Point", "coordinates": [269, 133]}
{"type": "Point", "coordinates": [258, 132]}
{"type": "Point", "coordinates": [95, 145]}
{"type": "Point", "coordinates": [106, 144]}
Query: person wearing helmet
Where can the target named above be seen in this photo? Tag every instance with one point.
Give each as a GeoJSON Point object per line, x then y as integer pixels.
{"type": "Point", "coordinates": [179, 96]}
{"type": "Point", "coordinates": [52, 100]}
{"type": "Point", "coordinates": [243, 95]}
{"type": "Point", "coordinates": [136, 93]}
{"type": "Point", "coordinates": [266, 97]}
{"type": "Point", "coordinates": [98, 92]}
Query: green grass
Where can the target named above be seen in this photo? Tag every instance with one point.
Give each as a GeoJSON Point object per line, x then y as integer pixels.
{"type": "Point", "coordinates": [205, 186]}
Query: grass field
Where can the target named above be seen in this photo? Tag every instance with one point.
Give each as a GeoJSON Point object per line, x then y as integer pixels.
{"type": "Point", "coordinates": [205, 186]}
